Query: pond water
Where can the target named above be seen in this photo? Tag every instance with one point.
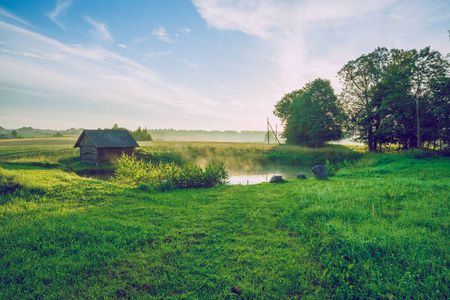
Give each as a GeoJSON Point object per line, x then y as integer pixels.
{"type": "Point", "coordinates": [265, 174]}
{"type": "Point", "coordinates": [244, 177]}
{"type": "Point", "coordinates": [97, 174]}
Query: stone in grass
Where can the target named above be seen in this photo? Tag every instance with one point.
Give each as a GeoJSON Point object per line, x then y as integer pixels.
{"type": "Point", "coordinates": [276, 179]}
{"type": "Point", "coordinates": [301, 176]}
{"type": "Point", "coordinates": [320, 172]}
{"type": "Point", "coordinates": [236, 290]}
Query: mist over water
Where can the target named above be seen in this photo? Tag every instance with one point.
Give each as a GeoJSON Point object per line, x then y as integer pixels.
{"type": "Point", "coordinates": [264, 174]}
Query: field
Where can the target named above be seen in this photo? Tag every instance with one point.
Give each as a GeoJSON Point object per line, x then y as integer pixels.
{"type": "Point", "coordinates": [377, 229]}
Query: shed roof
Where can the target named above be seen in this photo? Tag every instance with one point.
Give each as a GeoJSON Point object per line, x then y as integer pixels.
{"type": "Point", "coordinates": [108, 138]}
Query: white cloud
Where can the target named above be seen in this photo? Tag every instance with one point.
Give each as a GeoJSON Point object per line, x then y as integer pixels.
{"type": "Point", "coordinates": [100, 30]}
{"type": "Point", "coordinates": [156, 54]}
{"type": "Point", "coordinates": [10, 16]}
{"type": "Point", "coordinates": [315, 38]}
{"type": "Point", "coordinates": [186, 31]}
{"type": "Point", "coordinates": [162, 35]}
{"type": "Point", "coordinates": [91, 79]}
{"type": "Point", "coordinates": [188, 63]}
{"type": "Point", "coordinates": [123, 46]}
{"type": "Point", "coordinates": [61, 6]}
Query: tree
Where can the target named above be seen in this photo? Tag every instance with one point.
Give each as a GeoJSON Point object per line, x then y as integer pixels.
{"type": "Point", "coordinates": [141, 134]}
{"type": "Point", "coordinates": [360, 79]}
{"type": "Point", "coordinates": [116, 127]}
{"type": "Point", "coordinates": [439, 106]}
{"type": "Point", "coordinates": [311, 116]}
{"type": "Point", "coordinates": [282, 108]}
{"type": "Point", "coordinates": [396, 110]}
{"type": "Point", "coordinates": [389, 96]}
{"type": "Point", "coordinates": [14, 134]}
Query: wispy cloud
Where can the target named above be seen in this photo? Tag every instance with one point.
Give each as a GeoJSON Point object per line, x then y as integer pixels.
{"type": "Point", "coordinates": [162, 35]}
{"type": "Point", "coordinates": [156, 54]}
{"type": "Point", "coordinates": [186, 31]}
{"type": "Point", "coordinates": [188, 63]}
{"type": "Point", "coordinates": [10, 16]}
{"type": "Point", "coordinates": [315, 38]}
{"type": "Point", "coordinates": [123, 46]}
{"type": "Point", "coordinates": [61, 6]}
{"type": "Point", "coordinates": [95, 79]}
{"type": "Point", "coordinates": [100, 30]}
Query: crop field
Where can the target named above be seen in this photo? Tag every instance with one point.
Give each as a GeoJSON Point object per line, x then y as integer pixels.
{"type": "Point", "coordinates": [378, 228]}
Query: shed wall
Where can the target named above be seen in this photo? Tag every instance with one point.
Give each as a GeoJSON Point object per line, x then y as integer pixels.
{"type": "Point", "coordinates": [112, 154]}
{"type": "Point", "coordinates": [88, 155]}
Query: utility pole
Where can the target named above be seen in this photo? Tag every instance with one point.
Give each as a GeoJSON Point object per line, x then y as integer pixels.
{"type": "Point", "coordinates": [276, 130]}
{"type": "Point", "coordinates": [418, 123]}
{"type": "Point", "coordinates": [270, 128]}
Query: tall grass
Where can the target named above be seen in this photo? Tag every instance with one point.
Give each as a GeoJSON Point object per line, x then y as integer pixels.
{"type": "Point", "coordinates": [37, 154]}
{"type": "Point", "coordinates": [170, 176]}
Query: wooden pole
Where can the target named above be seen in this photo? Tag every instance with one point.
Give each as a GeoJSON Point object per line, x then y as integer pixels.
{"type": "Point", "coordinates": [418, 124]}
{"type": "Point", "coordinates": [276, 138]}
{"type": "Point", "coordinates": [276, 131]}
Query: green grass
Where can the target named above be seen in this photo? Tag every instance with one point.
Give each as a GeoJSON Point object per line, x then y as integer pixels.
{"type": "Point", "coordinates": [378, 229]}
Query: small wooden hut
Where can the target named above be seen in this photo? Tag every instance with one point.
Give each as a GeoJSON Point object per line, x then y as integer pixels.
{"type": "Point", "coordinates": [101, 146]}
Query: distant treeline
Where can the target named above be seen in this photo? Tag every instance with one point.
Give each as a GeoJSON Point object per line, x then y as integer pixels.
{"type": "Point", "coordinates": [156, 134]}
{"type": "Point", "coordinates": [30, 132]}
{"type": "Point", "coordinates": [203, 135]}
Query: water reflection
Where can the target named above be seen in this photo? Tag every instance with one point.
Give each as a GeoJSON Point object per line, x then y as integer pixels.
{"type": "Point", "coordinates": [265, 174]}
{"type": "Point", "coordinates": [250, 179]}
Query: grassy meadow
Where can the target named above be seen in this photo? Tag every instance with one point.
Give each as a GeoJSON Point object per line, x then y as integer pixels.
{"type": "Point", "coordinates": [377, 229]}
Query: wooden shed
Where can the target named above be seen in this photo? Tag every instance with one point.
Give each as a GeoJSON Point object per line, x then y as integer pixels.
{"type": "Point", "coordinates": [101, 146]}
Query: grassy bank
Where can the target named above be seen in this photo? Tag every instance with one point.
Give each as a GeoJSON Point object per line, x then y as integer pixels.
{"type": "Point", "coordinates": [377, 229]}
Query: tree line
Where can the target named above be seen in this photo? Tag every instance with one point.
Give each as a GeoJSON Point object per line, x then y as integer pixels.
{"type": "Point", "coordinates": [389, 97]}
{"type": "Point", "coordinates": [138, 134]}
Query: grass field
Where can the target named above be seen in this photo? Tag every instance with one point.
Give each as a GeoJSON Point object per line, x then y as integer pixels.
{"type": "Point", "coordinates": [378, 229]}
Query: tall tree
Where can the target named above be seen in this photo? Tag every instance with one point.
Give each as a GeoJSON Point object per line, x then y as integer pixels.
{"type": "Point", "coordinates": [396, 111]}
{"type": "Point", "coordinates": [439, 110]}
{"type": "Point", "coordinates": [389, 96]}
{"type": "Point", "coordinates": [429, 67]}
{"type": "Point", "coordinates": [311, 116]}
{"type": "Point", "coordinates": [360, 79]}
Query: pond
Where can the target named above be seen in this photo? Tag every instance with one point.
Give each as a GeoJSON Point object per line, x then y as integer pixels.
{"type": "Point", "coordinates": [264, 174]}
{"type": "Point", "coordinates": [97, 174]}
{"type": "Point", "coordinates": [236, 176]}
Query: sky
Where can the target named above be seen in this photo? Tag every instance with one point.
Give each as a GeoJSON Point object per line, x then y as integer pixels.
{"type": "Point", "coordinates": [194, 65]}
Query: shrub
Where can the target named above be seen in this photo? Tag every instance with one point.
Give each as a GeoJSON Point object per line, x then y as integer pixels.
{"type": "Point", "coordinates": [170, 176]}
{"type": "Point", "coordinates": [9, 184]}
{"type": "Point", "coordinates": [419, 153]}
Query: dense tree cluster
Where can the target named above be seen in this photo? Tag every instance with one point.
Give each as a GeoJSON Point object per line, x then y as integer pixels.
{"type": "Point", "coordinates": [311, 116]}
{"type": "Point", "coordinates": [139, 134]}
{"type": "Point", "coordinates": [397, 97]}
{"type": "Point", "coordinates": [389, 97]}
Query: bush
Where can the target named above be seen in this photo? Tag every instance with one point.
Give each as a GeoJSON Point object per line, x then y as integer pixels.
{"type": "Point", "coordinates": [170, 176]}
{"type": "Point", "coordinates": [9, 184]}
{"type": "Point", "coordinates": [419, 153]}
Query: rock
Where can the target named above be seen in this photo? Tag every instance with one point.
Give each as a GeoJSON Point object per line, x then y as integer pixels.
{"type": "Point", "coordinates": [320, 172]}
{"type": "Point", "coordinates": [276, 179]}
{"type": "Point", "coordinates": [301, 176]}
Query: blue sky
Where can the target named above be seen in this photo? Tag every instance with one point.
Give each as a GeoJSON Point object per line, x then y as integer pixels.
{"type": "Point", "coordinates": [201, 64]}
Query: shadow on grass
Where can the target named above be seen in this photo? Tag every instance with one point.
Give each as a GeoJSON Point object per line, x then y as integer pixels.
{"type": "Point", "coordinates": [28, 165]}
